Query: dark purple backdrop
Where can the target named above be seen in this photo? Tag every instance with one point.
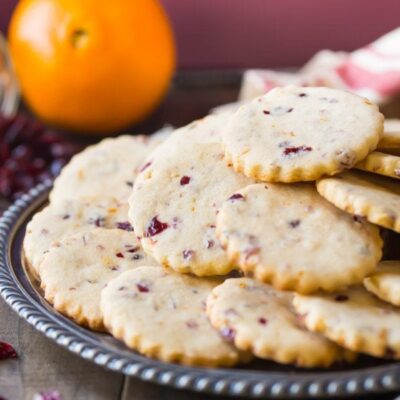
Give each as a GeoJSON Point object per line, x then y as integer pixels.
{"type": "Point", "coordinates": [267, 33]}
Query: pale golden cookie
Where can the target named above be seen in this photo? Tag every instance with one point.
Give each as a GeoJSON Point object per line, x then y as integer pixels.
{"type": "Point", "coordinates": [162, 314]}
{"type": "Point", "coordinates": [385, 282]}
{"type": "Point", "coordinates": [354, 319]}
{"type": "Point", "coordinates": [109, 167]}
{"type": "Point", "coordinates": [260, 319]}
{"type": "Point", "coordinates": [301, 133]}
{"type": "Point", "coordinates": [391, 134]}
{"type": "Point", "coordinates": [175, 202]}
{"type": "Point", "coordinates": [382, 164]}
{"type": "Point", "coordinates": [67, 217]}
{"type": "Point", "coordinates": [291, 237]}
{"type": "Point", "coordinates": [78, 267]}
{"type": "Point", "coordinates": [365, 195]}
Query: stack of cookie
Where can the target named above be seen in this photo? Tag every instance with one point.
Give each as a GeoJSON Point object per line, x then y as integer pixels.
{"type": "Point", "coordinates": [243, 236]}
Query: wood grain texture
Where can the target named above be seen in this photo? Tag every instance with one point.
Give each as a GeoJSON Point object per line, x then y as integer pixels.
{"type": "Point", "coordinates": [43, 365]}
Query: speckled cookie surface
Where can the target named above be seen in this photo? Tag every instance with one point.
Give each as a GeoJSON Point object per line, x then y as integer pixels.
{"type": "Point", "coordinates": [391, 134]}
{"type": "Point", "coordinates": [68, 217]}
{"type": "Point", "coordinates": [162, 314]}
{"type": "Point", "coordinates": [367, 195]}
{"type": "Point", "coordinates": [291, 237]}
{"type": "Point", "coordinates": [385, 282]}
{"type": "Point", "coordinates": [299, 134]}
{"type": "Point", "coordinates": [355, 319]}
{"type": "Point", "coordinates": [109, 167]}
{"type": "Point", "coordinates": [78, 267]}
{"type": "Point", "coordinates": [260, 319]}
{"type": "Point", "coordinates": [175, 201]}
{"type": "Point", "coordinates": [382, 164]}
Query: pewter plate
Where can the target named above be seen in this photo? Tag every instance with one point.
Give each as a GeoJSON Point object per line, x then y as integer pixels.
{"type": "Point", "coordinates": [257, 380]}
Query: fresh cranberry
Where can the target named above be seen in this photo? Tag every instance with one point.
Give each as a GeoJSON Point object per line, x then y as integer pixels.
{"type": "Point", "coordinates": [296, 150]}
{"type": "Point", "coordinates": [142, 288]}
{"type": "Point", "coordinates": [341, 298]}
{"type": "Point", "coordinates": [7, 351]}
{"type": "Point", "coordinates": [29, 153]}
{"type": "Point", "coordinates": [185, 180]}
{"type": "Point", "coordinates": [236, 196]}
{"type": "Point", "coordinates": [126, 226]}
{"type": "Point", "coordinates": [155, 227]}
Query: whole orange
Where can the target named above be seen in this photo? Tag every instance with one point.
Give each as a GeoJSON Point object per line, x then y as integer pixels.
{"type": "Point", "coordinates": [92, 65]}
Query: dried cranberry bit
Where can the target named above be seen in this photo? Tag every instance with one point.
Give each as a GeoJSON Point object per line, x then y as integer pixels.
{"type": "Point", "coordinates": [191, 324]}
{"type": "Point", "coordinates": [266, 112]}
{"type": "Point", "coordinates": [119, 255]}
{"type": "Point", "coordinates": [187, 254]}
{"type": "Point", "coordinates": [114, 268]}
{"type": "Point", "coordinates": [125, 226]}
{"type": "Point", "coordinates": [7, 351]}
{"type": "Point", "coordinates": [295, 223]}
{"type": "Point", "coordinates": [129, 183]}
{"type": "Point", "coordinates": [228, 333]}
{"type": "Point", "coordinates": [184, 180]}
{"type": "Point", "coordinates": [341, 298]}
{"type": "Point", "coordinates": [66, 216]}
{"type": "Point", "coordinates": [99, 222]}
{"type": "Point", "coordinates": [296, 149]}
{"type": "Point", "coordinates": [210, 244]}
{"type": "Point", "coordinates": [143, 288]}
{"type": "Point", "coordinates": [302, 95]}
{"type": "Point", "coordinates": [145, 166]}
{"type": "Point", "coordinates": [252, 251]}
{"type": "Point", "coordinates": [155, 227]}
{"type": "Point", "coordinates": [236, 196]}
{"type": "Point", "coordinates": [262, 321]}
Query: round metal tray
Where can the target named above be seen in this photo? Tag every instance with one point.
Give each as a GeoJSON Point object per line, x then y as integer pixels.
{"type": "Point", "coordinates": [258, 379]}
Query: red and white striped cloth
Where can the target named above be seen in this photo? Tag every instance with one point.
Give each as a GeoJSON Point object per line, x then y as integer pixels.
{"type": "Point", "coordinates": [372, 71]}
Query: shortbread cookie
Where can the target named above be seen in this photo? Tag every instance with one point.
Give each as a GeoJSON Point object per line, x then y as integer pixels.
{"type": "Point", "coordinates": [205, 130]}
{"type": "Point", "coordinates": [365, 195]}
{"type": "Point", "coordinates": [299, 134]}
{"type": "Point", "coordinates": [354, 319]}
{"type": "Point", "coordinates": [78, 267]}
{"type": "Point", "coordinates": [391, 135]}
{"type": "Point", "coordinates": [291, 237]}
{"type": "Point", "coordinates": [385, 282]}
{"type": "Point", "coordinates": [68, 217]}
{"type": "Point", "coordinates": [162, 314]}
{"type": "Point", "coordinates": [260, 319]}
{"type": "Point", "coordinates": [175, 202]}
{"type": "Point", "coordinates": [109, 167]}
{"type": "Point", "coordinates": [382, 164]}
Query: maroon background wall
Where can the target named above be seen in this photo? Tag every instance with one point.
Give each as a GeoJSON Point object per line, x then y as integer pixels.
{"type": "Point", "coordinates": [266, 33]}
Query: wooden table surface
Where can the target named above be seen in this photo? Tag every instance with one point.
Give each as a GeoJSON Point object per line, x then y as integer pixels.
{"type": "Point", "coordinates": [41, 364]}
